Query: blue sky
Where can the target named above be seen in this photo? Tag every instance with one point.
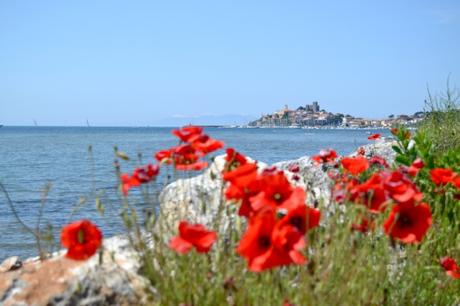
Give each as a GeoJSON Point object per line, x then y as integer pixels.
{"type": "Point", "coordinates": [138, 63]}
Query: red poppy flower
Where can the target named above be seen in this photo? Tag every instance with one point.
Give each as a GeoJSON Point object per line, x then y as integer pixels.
{"type": "Point", "coordinates": [394, 131]}
{"type": "Point", "coordinates": [243, 195]}
{"type": "Point", "coordinates": [342, 187]}
{"type": "Point", "coordinates": [274, 190]}
{"type": "Point", "coordinates": [205, 144]}
{"type": "Point", "coordinates": [325, 156]}
{"type": "Point", "coordinates": [191, 165]}
{"type": "Point", "coordinates": [400, 188]}
{"type": "Point", "coordinates": [361, 151]}
{"type": "Point", "coordinates": [457, 182]}
{"type": "Point", "coordinates": [364, 226]}
{"type": "Point", "coordinates": [441, 176]}
{"type": "Point", "coordinates": [266, 248]}
{"type": "Point", "coordinates": [370, 193]}
{"type": "Point", "coordinates": [243, 181]}
{"type": "Point", "coordinates": [126, 183]}
{"type": "Point", "coordinates": [185, 159]}
{"type": "Point", "coordinates": [408, 222]}
{"type": "Point", "coordinates": [415, 167]}
{"type": "Point", "coordinates": [192, 235]}
{"type": "Point", "coordinates": [374, 137]}
{"type": "Point", "coordinates": [287, 303]}
{"type": "Point", "coordinates": [146, 173]}
{"type": "Point", "coordinates": [355, 165]}
{"type": "Point", "coordinates": [418, 163]}
{"type": "Point", "coordinates": [164, 156]}
{"type": "Point", "coordinates": [243, 184]}
{"type": "Point", "coordinates": [450, 266]}
{"type": "Point", "coordinates": [233, 160]}
{"type": "Point", "coordinates": [257, 240]}
{"type": "Point", "coordinates": [296, 213]}
{"type": "Point", "coordinates": [240, 172]}
{"type": "Point", "coordinates": [82, 239]}
{"type": "Point", "coordinates": [187, 132]}
{"type": "Point", "coordinates": [288, 242]}
{"type": "Point", "coordinates": [140, 175]}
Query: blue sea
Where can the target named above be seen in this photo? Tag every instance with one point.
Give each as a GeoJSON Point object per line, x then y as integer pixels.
{"type": "Point", "coordinates": [32, 157]}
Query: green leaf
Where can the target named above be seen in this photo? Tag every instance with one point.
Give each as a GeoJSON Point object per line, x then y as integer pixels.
{"type": "Point", "coordinates": [397, 149]}
{"type": "Point", "coordinates": [403, 160]}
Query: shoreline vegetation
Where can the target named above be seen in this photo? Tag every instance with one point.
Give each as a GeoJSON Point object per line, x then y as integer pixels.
{"type": "Point", "coordinates": [378, 227]}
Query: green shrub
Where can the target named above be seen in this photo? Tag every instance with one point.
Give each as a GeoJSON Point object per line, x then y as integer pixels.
{"type": "Point", "coordinates": [442, 122]}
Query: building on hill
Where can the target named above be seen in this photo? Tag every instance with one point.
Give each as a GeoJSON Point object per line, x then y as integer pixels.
{"type": "Point", "coordinates": [312, 108]}
{"type": "Point", "coordinates": [311, 115]}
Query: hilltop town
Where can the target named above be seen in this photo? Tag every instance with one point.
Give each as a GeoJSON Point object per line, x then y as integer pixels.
{"type": "Point", "coordinates": [311, 115]}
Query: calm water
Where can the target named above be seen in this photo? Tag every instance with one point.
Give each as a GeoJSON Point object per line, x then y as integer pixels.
{"type": "Point", "coordinates": [32, 156]}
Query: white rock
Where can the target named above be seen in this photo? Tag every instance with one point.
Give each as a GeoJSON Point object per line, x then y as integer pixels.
{"type": "Point", "coordinates": [10, 264]}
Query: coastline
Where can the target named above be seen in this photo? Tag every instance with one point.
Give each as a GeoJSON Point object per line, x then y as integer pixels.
{"type": "Point", "coordinates": [312, 127]}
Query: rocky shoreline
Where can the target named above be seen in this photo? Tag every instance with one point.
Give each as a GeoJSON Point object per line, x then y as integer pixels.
{"type": "Point", "coordinates": [111, 276]}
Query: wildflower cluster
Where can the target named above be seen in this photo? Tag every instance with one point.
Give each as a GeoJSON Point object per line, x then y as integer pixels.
{"type": "Point", "coordinates": [397, 200]}
{"type": "Point", "coordinates": [192, 147]}
{"type": "Point", "coordinates": [277, 215]}
{"type": "Point", "coordinates": [372, 184]}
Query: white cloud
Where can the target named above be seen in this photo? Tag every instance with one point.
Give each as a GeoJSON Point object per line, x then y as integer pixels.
{"type": "Point", "coordinates": [445, 16]}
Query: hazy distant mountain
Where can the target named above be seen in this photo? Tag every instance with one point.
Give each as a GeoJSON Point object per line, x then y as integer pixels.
{"type": "Point", "coordinates": [229, 119]}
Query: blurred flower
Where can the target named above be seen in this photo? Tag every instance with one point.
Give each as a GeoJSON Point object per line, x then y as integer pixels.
{"type": "Point", "coordinates": [371, 194]}
{"type": "Point", "coordinates": [187, 132]}
{"type": "Point", "coordinates": [140, 176]}
{"type": "Point", "coordinates": [441, 176]}
{"type": "Point", "coordinates": [274, 190]}
{"type": "Point", "coordinates": [192, 235]}
{"type": "Point", "coordinates": [287, 303]}
{"type": "Point", "coordinates": [450, 266]}
{"type": "Point", "coordinates": [185, 158]}
{"type": "Point", "coordinates": [266, 247]}
{"type": "Point", "coordinates": [363, 226]}
{"type": "Point", "coordinates": [456, 182]}
{"type": "Point", "coordinates": [164, 156]}
{"type": "Point", "coordinates": [233, 160]}
{"type": "Point", "coordinates": [205, 144]}
{"type": "Point", "coordinates": [378, 160]}
{"type": "Point", "coordinates": [400, 188]}
{"type": "Point", "coordinates": [408, 222]}
{"type": "Point", "coordinates": [325, 156]}
{"type": "Point", "coordinates": [415, 167]}
{"type": "Point", "coordinates": [374, 137]}
{"type": "Point", "coordinates": [82, 239]}
{"type": "Point", "coordinates": [275, 235]}
{"type": "Point", "coordinates": [243, 184]}
{"type": "Point", "coordinates": [355, 165]}
{"type": "Point", "coordinates": [295, 213]}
